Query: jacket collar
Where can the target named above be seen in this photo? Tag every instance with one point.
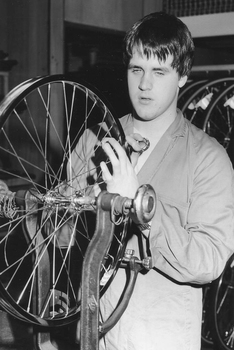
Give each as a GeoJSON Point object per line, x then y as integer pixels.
{"type": "Point", "coordinates": [176, 129]}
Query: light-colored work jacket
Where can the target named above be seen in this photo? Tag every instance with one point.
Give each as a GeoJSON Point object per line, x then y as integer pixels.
{"type": "Point", "coordinates": [190, 240]}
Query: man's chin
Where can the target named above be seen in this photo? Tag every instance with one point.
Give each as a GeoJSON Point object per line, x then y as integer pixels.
{"type": "Point", "coordinates": [143, 116]}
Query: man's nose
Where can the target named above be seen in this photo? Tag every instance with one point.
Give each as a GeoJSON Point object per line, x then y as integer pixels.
{"type": "Point", "coordinates": [145, 82]}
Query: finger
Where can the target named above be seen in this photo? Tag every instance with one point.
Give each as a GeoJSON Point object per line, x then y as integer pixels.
{"type": "Point", "coordinates": [134, 136]}
{"type": "Point", "coordinates": [134, 158]}
{"type": "Point", "coordinates": [137, 142]}
{"type": "Point", "coordinates": [106, 175]}
{"type": "Point", "coordinates": [110, 153]}
{"type": "Point", "coordinates": [134, 143]}
{"type": "Point", "coordinates": [114, 150]}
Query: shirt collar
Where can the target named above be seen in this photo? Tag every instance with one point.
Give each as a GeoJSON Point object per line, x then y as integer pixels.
{"type": "Point", "coordinates": [176, 129]}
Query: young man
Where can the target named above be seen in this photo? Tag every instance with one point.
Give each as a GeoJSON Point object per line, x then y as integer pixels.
{"type": "Point", "coordinates": [191, 234]}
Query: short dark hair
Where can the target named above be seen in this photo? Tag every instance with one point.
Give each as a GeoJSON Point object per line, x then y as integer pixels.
{"type": "Point", "coordinates": [161, 34]}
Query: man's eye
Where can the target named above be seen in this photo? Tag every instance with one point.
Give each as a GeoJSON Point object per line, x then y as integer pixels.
{"type": "Point", "coordinates": [136, 70]}
{"type": "Point", "coordinates": [159, 72]}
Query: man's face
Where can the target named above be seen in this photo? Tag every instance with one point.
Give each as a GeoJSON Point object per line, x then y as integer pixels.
{"type": "Point", "coordinates": [153, 86]}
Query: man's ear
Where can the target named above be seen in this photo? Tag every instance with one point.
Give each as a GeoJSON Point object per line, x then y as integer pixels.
{"type": "Point", "coordinates": [183, 81]}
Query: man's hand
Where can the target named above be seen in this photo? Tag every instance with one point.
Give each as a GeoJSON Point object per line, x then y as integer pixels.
{"type": "Point", "coordinates": [123, 180]}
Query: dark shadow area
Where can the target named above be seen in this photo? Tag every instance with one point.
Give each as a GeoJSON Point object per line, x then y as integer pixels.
{"type": "Point", "coordinates": [95, 56]}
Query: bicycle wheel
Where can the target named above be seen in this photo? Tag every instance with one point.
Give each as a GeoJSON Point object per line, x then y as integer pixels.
{"type": "Point", "coordinates": [188, 90]}
{"type": "Point", "coordinates": [222, 308]}
{"type": "Point", "coordinates": [196, 105]}
{"type": "Point", "coordinates": [50, 151]}
{"type": "Point", "coordinates": [219, 118]}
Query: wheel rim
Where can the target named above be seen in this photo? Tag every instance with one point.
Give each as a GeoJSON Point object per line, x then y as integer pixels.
{"type": "Point", "coordinates": [43, 244]}
{"type": "Point", "coordinates": [223, 315]}
{"type": "Point", "coordinates": [206, 324]}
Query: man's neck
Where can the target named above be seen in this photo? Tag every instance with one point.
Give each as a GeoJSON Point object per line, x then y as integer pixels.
{"type": "Point", "coordinates": [154, 128]}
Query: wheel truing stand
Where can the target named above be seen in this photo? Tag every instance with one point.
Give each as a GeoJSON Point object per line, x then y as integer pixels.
{"type": "Point", "coordinates": [143, 208]}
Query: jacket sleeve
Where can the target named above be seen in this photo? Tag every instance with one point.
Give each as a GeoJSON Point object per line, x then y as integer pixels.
{"type": "Point", "coordinates": [196, 252]}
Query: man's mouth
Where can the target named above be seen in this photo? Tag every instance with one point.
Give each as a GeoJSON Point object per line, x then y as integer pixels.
{"type": "Point", "coordinates": [145, 100]}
